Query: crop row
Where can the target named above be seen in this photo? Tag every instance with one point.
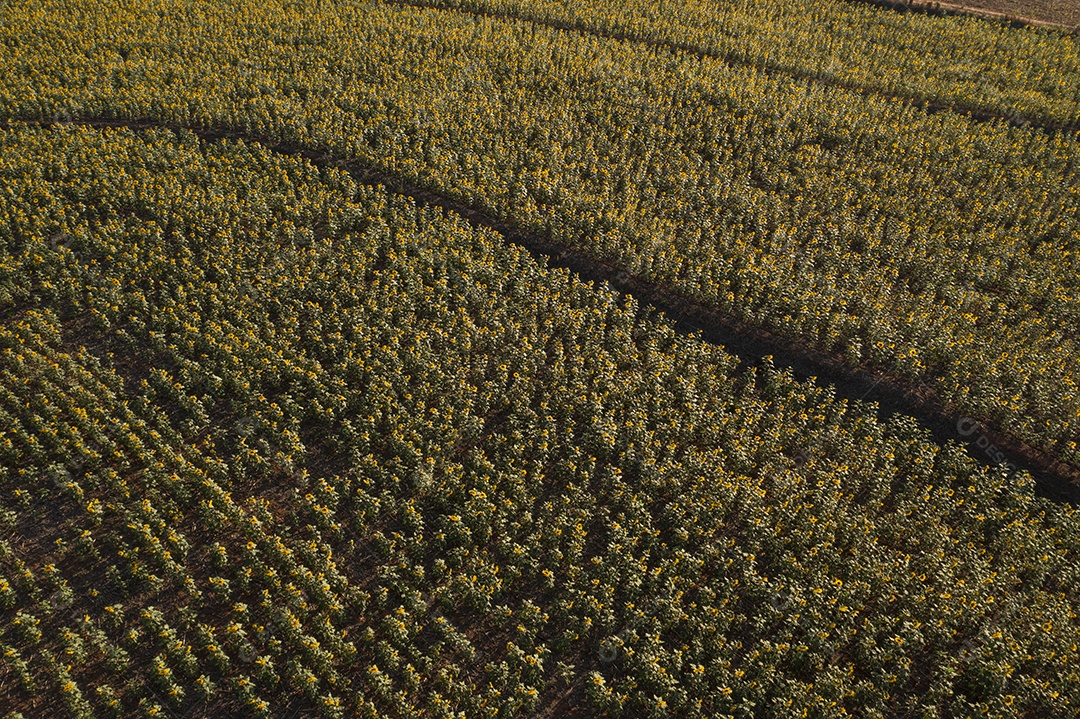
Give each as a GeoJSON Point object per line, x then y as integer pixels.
{"type": "Point", "coordinates": [956, 62]}
{"type": "Point", "coordinates": [275, 441]}
{"type": "Point", "coordinates": [940, 249]}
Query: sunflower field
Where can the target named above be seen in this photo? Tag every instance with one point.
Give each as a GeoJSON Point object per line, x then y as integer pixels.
{"type": "Point", "coordinates": [278, 441]}
{"type": "Point", "coordinates": [936, 247]}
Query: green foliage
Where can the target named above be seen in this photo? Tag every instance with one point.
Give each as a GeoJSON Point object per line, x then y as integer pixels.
{"type": "Point", "coordinates": [941, 249]}
{"type": "Point", "coordinates": [956, 63]}
{"type": "Point", "coordinates": [450, 481]}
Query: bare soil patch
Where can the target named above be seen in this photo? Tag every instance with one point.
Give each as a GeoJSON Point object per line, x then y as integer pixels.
{"type": "Point", "coordinates": [1038, 13]}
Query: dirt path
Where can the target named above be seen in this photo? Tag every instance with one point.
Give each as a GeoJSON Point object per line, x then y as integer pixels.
{"type": "Point", "coordinates": [1060, 14]}
{"type": "Point", "coordinates": [975, 112]}
{"type": "Point", "coordinates": [751, 344]}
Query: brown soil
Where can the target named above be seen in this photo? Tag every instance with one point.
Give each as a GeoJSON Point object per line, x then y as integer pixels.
{"type": "Point", "coordinates": [1043, 13]}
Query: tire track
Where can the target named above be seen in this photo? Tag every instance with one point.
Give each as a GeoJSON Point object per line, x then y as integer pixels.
{"type": "Point", "coordinates": [752, 344]}
{"type": "Point", "coordinates": [975, 112]}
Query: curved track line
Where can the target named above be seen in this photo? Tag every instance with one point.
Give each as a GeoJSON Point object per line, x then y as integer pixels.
{"type": "Point", "coordinates": [894, 396]}
{"type": "Point", "coordinates": [979, 114]}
